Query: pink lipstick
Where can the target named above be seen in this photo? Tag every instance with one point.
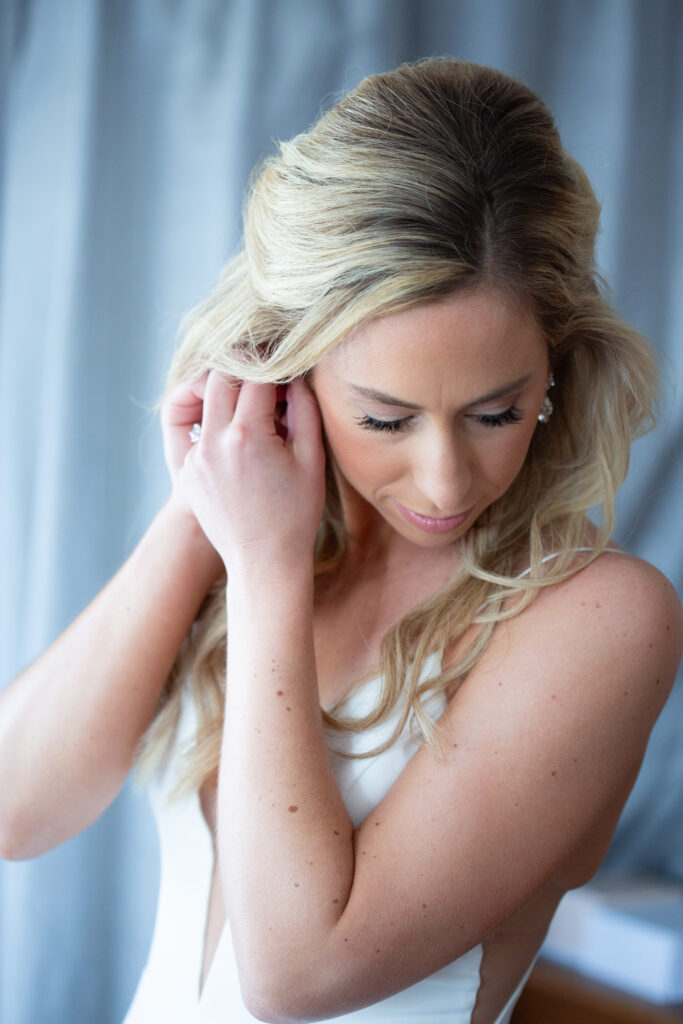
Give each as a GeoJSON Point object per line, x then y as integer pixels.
{"type": "Point", "coordinates": [430, 525]}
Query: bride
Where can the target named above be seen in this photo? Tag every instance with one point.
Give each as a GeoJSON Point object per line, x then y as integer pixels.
{"type": "Point", "coordinates": [384, 430]}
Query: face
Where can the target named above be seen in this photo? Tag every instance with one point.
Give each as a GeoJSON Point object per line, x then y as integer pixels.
{"type": "Point", "coordinates": [429, 412]}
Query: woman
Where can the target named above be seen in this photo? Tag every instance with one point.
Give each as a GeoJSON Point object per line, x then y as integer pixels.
{"type": "Point", "coordinates": [386, 425]}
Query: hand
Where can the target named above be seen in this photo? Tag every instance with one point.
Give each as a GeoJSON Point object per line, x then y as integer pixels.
{"type": "Point", "coordinates": [180, 410]}
{"type": "Point", "coordinates": [256, 489]}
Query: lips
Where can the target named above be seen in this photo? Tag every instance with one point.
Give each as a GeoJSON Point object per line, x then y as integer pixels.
{"type": "Point", "coordinates": [431, 525]}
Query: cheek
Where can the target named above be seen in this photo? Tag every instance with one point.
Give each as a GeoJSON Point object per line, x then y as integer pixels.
{"type": "Point", "coordinates": [510, 455]}
{"type": "Point", "coordinates": [516, 453]}
{"type": "Point", "coordinates": [362, 459]}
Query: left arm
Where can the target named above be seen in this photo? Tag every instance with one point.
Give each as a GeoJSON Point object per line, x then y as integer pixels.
{"type": "Point", "coordinates": [284, 836]}
{"type": "Point", "coordinates": [541, 742]}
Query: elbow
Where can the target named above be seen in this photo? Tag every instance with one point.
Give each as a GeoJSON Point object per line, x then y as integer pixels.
{"type": "Point", "coordinates": [285, 981]}
{"type": "Point", "coordinates": [282, 1000]}
{"type": "Point", "coordinates": [263, 1011]}
{"type": "Point", "coordinates": [268, 1005]}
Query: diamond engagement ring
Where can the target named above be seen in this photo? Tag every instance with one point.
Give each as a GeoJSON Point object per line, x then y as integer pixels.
{"type": "Point", "coordinates": [195, 433]}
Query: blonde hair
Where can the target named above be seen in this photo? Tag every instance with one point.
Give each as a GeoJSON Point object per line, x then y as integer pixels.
{"type": "Point", "coordinates": [432, 178]}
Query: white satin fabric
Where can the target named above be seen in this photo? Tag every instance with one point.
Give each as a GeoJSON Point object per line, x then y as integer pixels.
{"type": "Point", "coordinates": [168, 991]}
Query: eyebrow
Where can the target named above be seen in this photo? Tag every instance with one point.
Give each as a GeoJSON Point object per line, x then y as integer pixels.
{"type": "Point", "coordinates": [384, 399]}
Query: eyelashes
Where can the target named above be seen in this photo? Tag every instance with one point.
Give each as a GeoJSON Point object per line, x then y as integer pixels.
{"type": "Point", "coordinates": [390, 426]}
{"type": "Point", "coordinates": [511, 415]}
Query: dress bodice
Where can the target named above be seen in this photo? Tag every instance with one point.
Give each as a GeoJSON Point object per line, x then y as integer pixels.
{"type": "Point", "coordinates": [168, 991]}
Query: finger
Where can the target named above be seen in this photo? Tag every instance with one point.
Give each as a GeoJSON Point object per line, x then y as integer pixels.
{"type": "Point", "coordinates": [256, 405]}
{"type": "Point", "coordinates": [220, 399]}
{"type": "Point", "coordinates": [183, 404]}
{"type": "Point", "coordinates": [303, 414]}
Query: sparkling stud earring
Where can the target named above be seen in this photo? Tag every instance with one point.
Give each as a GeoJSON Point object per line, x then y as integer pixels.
{"type": "Point", "coordinates": [546, 405]}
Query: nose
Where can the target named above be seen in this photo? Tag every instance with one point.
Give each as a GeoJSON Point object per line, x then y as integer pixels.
{"type": "Point", "coordinates": [443, 475]}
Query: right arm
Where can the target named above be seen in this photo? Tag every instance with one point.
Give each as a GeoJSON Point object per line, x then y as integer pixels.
{"type": "Point", "coordinates": [70, 723]}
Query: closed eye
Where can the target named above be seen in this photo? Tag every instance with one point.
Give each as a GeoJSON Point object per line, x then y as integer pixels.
{"type": "Point", "coordinates": [500, 419]}
{"type": "Point", "coordinates": [390, 426]}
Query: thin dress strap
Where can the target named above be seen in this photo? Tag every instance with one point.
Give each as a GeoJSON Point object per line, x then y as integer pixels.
{"type": "Point", "coordinates": [555, 554]}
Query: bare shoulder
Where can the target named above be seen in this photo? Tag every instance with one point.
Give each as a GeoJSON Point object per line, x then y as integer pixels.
{"type": "Point", "coordinates": [586, 666]}
{"type": "Point", "coordinates": [595, 655]}
{"type": "Point", "coordinates": [629, 584]}
{"type": "Point", "coordinates": [618, 611]}
{"type": "Point", "coordinates": [619, 606]}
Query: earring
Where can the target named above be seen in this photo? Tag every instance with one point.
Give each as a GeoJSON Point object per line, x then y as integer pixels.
{"type": "Point", "coordinates": [546, 405]}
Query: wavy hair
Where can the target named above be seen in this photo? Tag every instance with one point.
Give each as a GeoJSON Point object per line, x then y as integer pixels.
{"type": "Point", "coordinates": [435, 177]}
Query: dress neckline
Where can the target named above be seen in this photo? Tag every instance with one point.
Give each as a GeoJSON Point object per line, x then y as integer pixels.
{"type": "Point", "coordinates": [432, 666]}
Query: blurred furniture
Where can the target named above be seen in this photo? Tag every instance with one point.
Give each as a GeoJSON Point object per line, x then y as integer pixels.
{"type": "Point", "coordinates": [555, 995]}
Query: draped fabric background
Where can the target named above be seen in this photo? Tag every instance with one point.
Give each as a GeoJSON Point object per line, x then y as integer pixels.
{"type": "Point", "coordinates": [129, 130]}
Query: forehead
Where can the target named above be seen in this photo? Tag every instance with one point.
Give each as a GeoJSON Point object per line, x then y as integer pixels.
{"type": "Point", "coordinates": [466, 343]}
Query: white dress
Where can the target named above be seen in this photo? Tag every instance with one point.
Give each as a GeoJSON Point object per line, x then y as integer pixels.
{"type": "Point", "coordinates": [168, 992]}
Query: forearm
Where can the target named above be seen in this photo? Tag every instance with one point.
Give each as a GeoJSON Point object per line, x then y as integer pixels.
{"type": "Point", "coordinates": [285, 837]}
{"type": "Point", "coordinates": [70, 723]}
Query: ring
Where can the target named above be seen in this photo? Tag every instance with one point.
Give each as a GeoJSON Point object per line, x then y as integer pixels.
{"type": "Point", "coordinates": [195, 433]}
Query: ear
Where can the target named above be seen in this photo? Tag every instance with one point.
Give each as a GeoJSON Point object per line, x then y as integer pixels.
{"type": "Point", "coordinates": [280, 417]}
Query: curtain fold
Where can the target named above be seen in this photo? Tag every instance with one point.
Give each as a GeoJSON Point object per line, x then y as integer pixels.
{"type": "Point", "coordinates": [128, 134]}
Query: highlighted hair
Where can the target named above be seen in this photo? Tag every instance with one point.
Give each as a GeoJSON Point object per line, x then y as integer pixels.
{"type": "Point", "coordinates": [436, 177]}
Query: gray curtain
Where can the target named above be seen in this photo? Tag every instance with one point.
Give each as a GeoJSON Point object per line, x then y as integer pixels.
{"type": "Point", "coordinates": [129, 130]}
